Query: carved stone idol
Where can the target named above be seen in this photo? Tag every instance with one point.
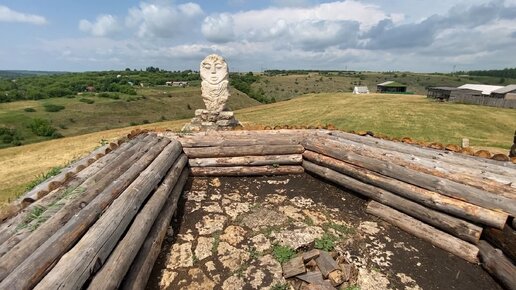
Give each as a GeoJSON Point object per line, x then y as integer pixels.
{"type": "Point", "coordinates": [214, 90]}
{"type": "Point", "coordinates": [214, 85]}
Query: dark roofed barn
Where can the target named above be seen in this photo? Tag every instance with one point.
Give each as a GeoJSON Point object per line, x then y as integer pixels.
{"type": "Point", "coordinates": [391, 87]}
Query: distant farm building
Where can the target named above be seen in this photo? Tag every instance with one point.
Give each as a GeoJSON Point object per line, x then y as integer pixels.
{"type": "Point", "coordinates": [391, 87]}
{"type": "Point", "coordinates": [360, 90]}
{"type": "Point", "coordinates": [176, 84]}
{"type": "Point", "coordinates": [447, 93]}
{"type": "Point", "coordinates": [485, 89]}
{"type": "Point", "coordinates": [90, 88]}
{"type": "Point", "coordinates": [508, 93]}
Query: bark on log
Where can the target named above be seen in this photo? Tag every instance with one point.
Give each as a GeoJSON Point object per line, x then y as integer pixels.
{"type": "Point", "coordinates": [47, 186]}
{"type": "Point", "coordinates": [224, 141]}
{"type": "Point", "coordinates": [420, 195]}
{"type": "Point", "coordinates": [470, 176]}
{"type": "Point", "coordinates": [503, 168]}
{"type": "Point", "coordinates": [139, 273]}
{"type": "Point", "coordinates": [449, 224]}
{"type": "Point", "coordinates": [34, 267]}
{"type": "Point", "coordinates": [504, 240]}
{"type": "Point", "coordinates": [232, 151]}
{"type": "Point", "coordinates": [292, 159]}
{"type": "Point", "coordinates": [497, 265]}
{"type": "Point", "coordinates": [246, 170]}
{"type": "Point", "coordinates": [120, 260]}
{"type": "Point", "coordinates": [425, 232]}
{"type": "Point", "coordinates": [87, 191]}
{"type": "Point", "coordinates": [447, 187]}
{"type": "Point", "coordinates": [10, 227]}
{"type": "Point", "coordinates": [87, 256]}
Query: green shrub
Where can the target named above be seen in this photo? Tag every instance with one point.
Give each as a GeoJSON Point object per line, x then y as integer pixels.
{"type": "Point", "coordinates": [41, 127]}
{"type": "Point", "coordinates": [53, 107]}
{"type": "Point", "coordinates": [87, 101]}
{"type": "Point", "coordinates": [29, 110]}
{"type": "Point", "coordinates": [283, 253]}
{"type": "Point", "coordinates": [325, 243]}
{"type": "Point", "coordinates": [109, 96]}
{"type": "Point", "coordinates": [10, 136]}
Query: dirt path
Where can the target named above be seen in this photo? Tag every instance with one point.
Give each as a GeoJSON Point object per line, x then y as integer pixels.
{"type": "Point", "coordinates": [231, 232]}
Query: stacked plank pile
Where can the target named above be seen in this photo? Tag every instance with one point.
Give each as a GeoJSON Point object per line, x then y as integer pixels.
{"type": "Point", "coordinates": [104, 226]}
{"type": "Point", "coordinates": [244, 153]}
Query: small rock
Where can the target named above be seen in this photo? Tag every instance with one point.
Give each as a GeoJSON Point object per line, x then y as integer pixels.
{"type": "Point", "coordinates": [195, 195]}
{"type": "Point", "coordinates": [167, 278]}
{"type": "Point", "coordinates": [212, 207]}
{"type": "Point", "coordinates": [302, 202]}
{"type": "Point", "coordinates": [231, 257]}
{"type": "Point", "coordinates": [292, 212]}
{"type": "Point", "coordinates": [298, 238]}
{"type": "Point", "coordinates": [181, 256]}
{"type": "Point", "coordinates": [210, 224]}
{"type": "Point", "coordinates": [347, 270]}
{"type": "Point", "coordinates": [336, 278]}
{"type": "Point", "coordinates": [370, 228]}
{"type": "Point", "coordinates": [203, 249]}
{"type": "Point", "coordinates": [233, 235]}
{"type": "Point", "coordinates": [263, 217]}
{"type": "Point", "coordinates": [234, 209]}
{"type": "Point", "coordinates": [275, 198]}
{"type": "Point", "coordinates": [261, 243]}
{"type": "Point", "coordinates": [215, 182]}
{"type": "Point", "coordinates": [233, 283]}
{"type": "Point", "coordinates": [199, 280]}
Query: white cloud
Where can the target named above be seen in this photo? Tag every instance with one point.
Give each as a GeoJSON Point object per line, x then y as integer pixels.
{"type": "Point", "coordinates": [9, 15]}
{"type": "Point", "coordinates": [104, 25]}
{"type": "Point", "coordinates": [218, 28]}
{"type": "Point", "coordinates": [291, 3]}
{"type": "Point", "coordinates": [163, 20]}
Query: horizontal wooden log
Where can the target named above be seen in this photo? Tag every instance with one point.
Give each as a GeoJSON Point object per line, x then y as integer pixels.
{"type": "Point", "coordinates": [246, 170]}
{"type": "Point", "coordinates": [33, 268]}
{"type": "Point", "coordinates": [13, 225]}
{"type": "Point", "coordinates": [113, 271]}
{"type": "Point", "coordinates": [54, 182]}
{"type": "Point", "coordinates": [487, 181]}
{"type": "Point", "coordinates": [23, 246]}
{"type": "Point", "coordinates": [292, 159]}
{"type": "Point", "coordinates": [457, 227]}
{"type": "Point", "coordinates": [420, 195]}
{"type": "Point", "coordinates": [441, 185]}
{"type": "Point", "coordinates": [425, 232]}
{"type": "Point", "coordinates": [140, 270]}
{"type": "Point", "coordinates": [504, 240]}
{"type": "Point", "coordinates": [231, 140]}
{"type": "Point", "coordinates": [232, 151]}
{"type": "Point", "coordinates": [503, 168]}
{"type": "Point", "coordinates": [497, 265]}
{"type": "Point", "coordinates": [75, 267]}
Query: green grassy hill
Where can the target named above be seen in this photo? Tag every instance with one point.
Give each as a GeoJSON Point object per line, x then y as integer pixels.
{"type": "Point", "coordinates": [150, 105]}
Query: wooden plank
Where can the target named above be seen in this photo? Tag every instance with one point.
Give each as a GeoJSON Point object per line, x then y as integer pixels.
{"type": "Point", "coordinates": [292, 159]}
{"type": "Point", "coordinates": [441, 185]}
{"type": "Point", "coordinates": [497, 265]}
{"type": "Point", "coordinates": [33, 268]}
{"type": "Point", "coordinates": [314, 277]}
{"type": "Point", "coordinates": [139, 273]}
{"type": "Point", "coordinates": [246, 170]}
{"type": "Point", "coordinates": [232, 151]}
{"type": "Point", "coordinates": [312, 254]}
{"type": "Point", "coordinates": [425, 232]}
{"type": "Point", "coordinates": [326, 263]}
{"type": "Point", "coordinates": [293, 267]}
{"type": "Point", "coordinates": [455, 226]}
{"type": "Point", "coordinates": [420, 195]}
{"type": "Point", "coordinates": [114, 269]}
{"type": "Point", "coordinates": [75, 267]}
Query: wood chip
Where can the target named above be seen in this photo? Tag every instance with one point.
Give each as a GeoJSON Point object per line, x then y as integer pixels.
{"type": "Point", "coordinates": [326, 285]}
{"type": "Point", "coordinates": [293, 267]}
{"type": "Point", "coordinates": [336, 278]}
{"type": "Point", "coordinates": [311, 277]}
{"type": "Point", "coordinates": [310, 255]}
{"type": "Point", "coordinates": [346, 271]}
{"type": "Point", "coordinates": [326, 263]}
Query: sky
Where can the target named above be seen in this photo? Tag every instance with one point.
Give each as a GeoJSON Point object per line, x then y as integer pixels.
{"type": "Point", "coordinates": [373, 35]}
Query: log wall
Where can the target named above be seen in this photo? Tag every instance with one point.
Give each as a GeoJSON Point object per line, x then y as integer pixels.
{"type": "Point", "coordinates": [118, 201]}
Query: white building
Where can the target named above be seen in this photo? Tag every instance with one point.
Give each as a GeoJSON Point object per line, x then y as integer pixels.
{"type": "Point", "coordinates": [360, 90]}
{"type": "Point", "coordinates": [485, 89]}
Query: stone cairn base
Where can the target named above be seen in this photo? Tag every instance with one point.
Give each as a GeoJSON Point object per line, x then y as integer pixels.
{"type": "Point", "coordinates": [205, 120]}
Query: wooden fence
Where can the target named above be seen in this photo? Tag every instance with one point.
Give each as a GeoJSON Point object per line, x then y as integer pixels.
{"type": "Point", "coordinates": [486, 101]}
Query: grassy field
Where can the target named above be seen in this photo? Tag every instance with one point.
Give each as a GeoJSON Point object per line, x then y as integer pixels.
{"type": "Point", "coordinates": [393, 115]}
{"type": "Point", "coordinates": [283, 87]}
{"type": "Point", "coordinates": [149, 106]}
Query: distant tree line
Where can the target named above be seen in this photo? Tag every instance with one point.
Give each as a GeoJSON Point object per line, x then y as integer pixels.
{"type": "Point", "coordinates": [499, 73]}
{"type": "Point", "coordinates": [33, 87]}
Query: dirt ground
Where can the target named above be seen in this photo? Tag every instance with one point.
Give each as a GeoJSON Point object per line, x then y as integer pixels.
{"type": "Point", "coordinates": [229, 234]}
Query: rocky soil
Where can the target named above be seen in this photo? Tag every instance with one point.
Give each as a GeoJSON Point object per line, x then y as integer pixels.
{"type": "Point", "coordinates": [232, 233]}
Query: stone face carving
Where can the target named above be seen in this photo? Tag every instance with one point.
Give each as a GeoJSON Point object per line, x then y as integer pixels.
{"type": "Point", "coordinates": [214, 90]}
{"type": "Point", "coordinates": [214, 85]}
